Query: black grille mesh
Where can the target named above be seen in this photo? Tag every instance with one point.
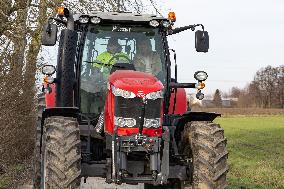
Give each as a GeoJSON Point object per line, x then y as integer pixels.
{"type": "Point", "coordinates": [132, 108]}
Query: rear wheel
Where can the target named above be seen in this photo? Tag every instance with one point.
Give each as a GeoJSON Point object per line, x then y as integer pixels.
{"type": "Point", "coordinates": [61, 154]}
{"type": "Point", "coordinates": [205, 143]}
{"type": "Point", "coordinates": [37, 157]}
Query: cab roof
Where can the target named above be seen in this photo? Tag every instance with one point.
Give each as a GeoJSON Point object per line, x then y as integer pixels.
{"type": "Point", "coordinates": [121, 16]}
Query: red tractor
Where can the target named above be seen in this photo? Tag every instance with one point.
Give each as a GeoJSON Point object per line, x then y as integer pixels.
{"type": "Point", "coordinates": [114, 111]}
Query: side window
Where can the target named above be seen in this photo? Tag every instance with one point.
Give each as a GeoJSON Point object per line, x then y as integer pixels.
{"type": "Point", "coordinates": [153, 44]}
{"type": "Point", "coordinates": [100, 46]}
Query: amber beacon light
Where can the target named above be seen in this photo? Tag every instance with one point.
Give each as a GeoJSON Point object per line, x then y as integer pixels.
{"type": "Point", "coordinates": [60, 11]}
{"type": "Point", "coordinates": [172, 16]}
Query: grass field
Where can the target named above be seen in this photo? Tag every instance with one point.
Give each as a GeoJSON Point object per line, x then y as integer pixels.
{"type": "Point", "coordinates": [256, 151]}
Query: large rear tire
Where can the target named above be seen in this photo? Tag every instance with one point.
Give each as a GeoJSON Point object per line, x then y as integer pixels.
{"type": "Point", "coordinates": [205, 143]}
{"type": "Point", "coordinates": [37, 156]}
{"type": "Point", "coordinates": [61, 154]}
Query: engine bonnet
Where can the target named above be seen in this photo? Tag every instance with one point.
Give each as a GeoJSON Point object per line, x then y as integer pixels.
{"type": "Point", "coordinates": [139, 83]}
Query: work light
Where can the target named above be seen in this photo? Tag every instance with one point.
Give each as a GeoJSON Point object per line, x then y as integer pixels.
{"type": "Point", "coordinates": [95, 20]}
{"type": "Point", "coordinates": [48, 69]}
{"type": "Point", "coordinates": [200, 75]}
{"type": "Point", "coordinates": [84, 19]}
{"type": "Point", "coordinates": [154, 23]}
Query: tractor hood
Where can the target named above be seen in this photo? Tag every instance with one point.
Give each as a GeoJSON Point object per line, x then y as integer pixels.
{"type": "Point", "coordinates": [139, 83]}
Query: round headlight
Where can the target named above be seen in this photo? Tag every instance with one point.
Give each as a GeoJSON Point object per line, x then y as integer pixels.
{"type": "Point", "coordinates": [154, 23]}
{"type": "Point", "coordinates": [200, 75]}
{"type": "Point", "coordinates": [83, 19]}
{"type": "Point", "coordinates": [48, 69]}
{"type": "Point", "coordinates": [95, 20]}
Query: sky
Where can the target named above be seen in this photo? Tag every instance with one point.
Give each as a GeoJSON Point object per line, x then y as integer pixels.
{"type": "Point", "coordinates": [245, 35]}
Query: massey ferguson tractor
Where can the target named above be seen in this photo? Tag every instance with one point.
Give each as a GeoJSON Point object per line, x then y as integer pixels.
{"type": "Point", "coordinates": [113, 109]}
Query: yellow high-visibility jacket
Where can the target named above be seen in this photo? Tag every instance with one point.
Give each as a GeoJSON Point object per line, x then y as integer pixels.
{"type": "Point", "coordinates": [105, 58]}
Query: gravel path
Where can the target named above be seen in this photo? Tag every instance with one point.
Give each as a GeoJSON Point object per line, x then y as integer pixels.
{"type": "Point", "coordinates": [99, 183]}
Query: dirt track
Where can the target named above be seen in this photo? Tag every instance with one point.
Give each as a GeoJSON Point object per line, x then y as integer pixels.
{"type": "Point", "coordinates": [99, 183]}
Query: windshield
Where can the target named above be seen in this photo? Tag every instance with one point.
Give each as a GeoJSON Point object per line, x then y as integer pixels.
{"type": "Point", "coordinates": [106, 46]}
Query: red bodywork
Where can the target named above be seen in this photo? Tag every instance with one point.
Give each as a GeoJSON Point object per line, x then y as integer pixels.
{"type": "Point", "coordinates": [181, 102]}
{"type": "Point", "coordinates": [50, 98]}
{"type": "Point", "coordinates": [140, 84]}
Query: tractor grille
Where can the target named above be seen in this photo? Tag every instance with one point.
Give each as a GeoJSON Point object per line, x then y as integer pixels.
{"type": "Point", "coordinates": [132, 108]}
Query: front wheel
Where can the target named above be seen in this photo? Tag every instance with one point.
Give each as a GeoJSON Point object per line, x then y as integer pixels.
{"type": "Point", "coordinates": [205, 144]}
{"type": "Point", "coordinates": [61, 154]}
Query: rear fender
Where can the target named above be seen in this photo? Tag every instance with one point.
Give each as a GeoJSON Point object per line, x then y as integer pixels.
{"type": "Point", "coordinates": [195, 116]}
{"type": "Point", "coordinates": [180, 121]}
{"type": "Point", "coordinates": [58, 111]}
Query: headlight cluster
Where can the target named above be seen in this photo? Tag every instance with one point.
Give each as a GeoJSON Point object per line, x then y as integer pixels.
{"type": "Point", "coordinates": [122, 93]}
{"type": "Point", "coordinates": [152, 123]}
{"type": "Point", "coordinates": [155, 95]}
{"type": "Point", "coordinates": [131, 122]}
{"type": "Point", "coordinates": [124, 122]}
{"type": "Point", "coordinates": [129, 94]}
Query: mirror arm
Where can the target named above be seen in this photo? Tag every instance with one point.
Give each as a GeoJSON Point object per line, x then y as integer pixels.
{"type": "Point", "coordinates": [57, 20]}
{"type": "Point", "coordinates": [180, 29]}
{"type": "Point", "coordinates": [182, 85]}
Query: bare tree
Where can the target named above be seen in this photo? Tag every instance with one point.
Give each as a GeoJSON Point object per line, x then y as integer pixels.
{"type": "Point", "coordinates": [217, 99]}
{"type": "Point", "coordinates": [21, 24]}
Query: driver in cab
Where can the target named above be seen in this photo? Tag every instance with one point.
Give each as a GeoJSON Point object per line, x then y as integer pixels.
{"type": "Point", "coordinates": [108, 58]}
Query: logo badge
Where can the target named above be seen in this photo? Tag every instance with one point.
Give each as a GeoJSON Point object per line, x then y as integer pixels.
{"type": "Point", "coordinates": [140, 94]}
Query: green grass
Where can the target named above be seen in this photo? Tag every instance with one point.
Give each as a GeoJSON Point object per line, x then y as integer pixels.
{"type": "Point", "coordinates": [256, 151]}
{"type": "Point", "coordinates": [6, 179]}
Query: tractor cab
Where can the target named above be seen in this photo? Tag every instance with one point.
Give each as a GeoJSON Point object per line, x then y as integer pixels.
{"type": "Point", "coordinates": [114, 111]}
{"type": "Point", "coordinates": [111, 48]}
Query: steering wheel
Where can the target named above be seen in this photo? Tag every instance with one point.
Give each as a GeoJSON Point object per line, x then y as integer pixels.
{"type": "Point", "coordinates": [98, 62]}
{"type": "Point", "coordinates": [118, 56]}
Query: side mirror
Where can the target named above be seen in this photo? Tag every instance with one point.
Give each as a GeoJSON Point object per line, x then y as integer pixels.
{"type": "Point", "coordinates": [201, 41]}
{"type": "Point", "coordinates": [49, 35]}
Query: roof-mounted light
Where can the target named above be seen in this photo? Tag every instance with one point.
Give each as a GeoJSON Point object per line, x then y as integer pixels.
{"type": "Point", "coordinates": [154, 23]}
{"type": "Point", "coordinates": [172, 16]}
{"type": "Point", "coordinates": [96, 20]}
{"type": "Point", "coordinates": [84, 19]}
